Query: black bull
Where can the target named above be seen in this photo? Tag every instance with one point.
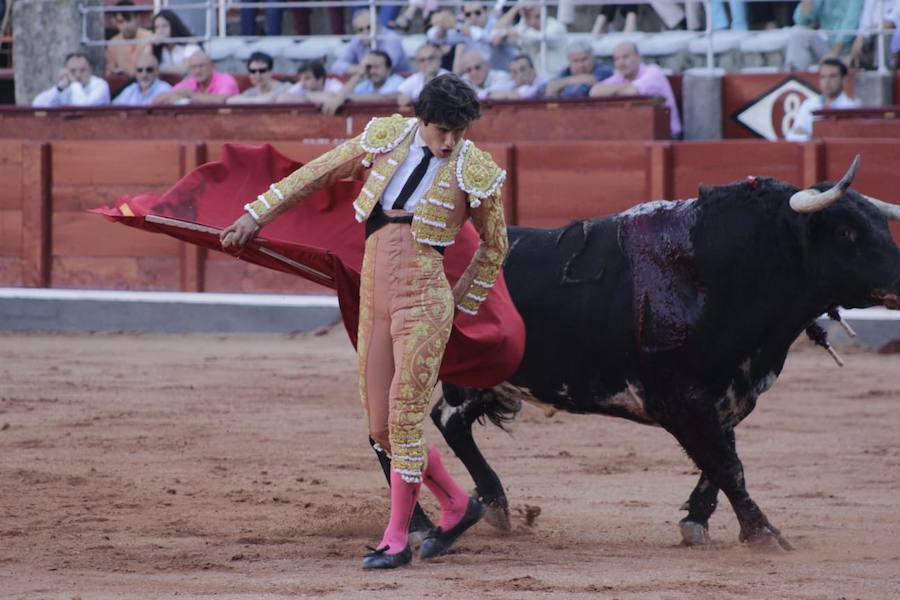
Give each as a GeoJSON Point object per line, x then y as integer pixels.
{"type": "Point", "coordinates": [680, 315]}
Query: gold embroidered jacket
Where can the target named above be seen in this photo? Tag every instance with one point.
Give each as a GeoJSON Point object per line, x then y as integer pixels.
{"type": "Point", "coordinates": [467, 185]}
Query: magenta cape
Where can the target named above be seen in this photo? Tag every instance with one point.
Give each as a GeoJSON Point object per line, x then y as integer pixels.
{"type": "Point", "coordinates": [321, 240]}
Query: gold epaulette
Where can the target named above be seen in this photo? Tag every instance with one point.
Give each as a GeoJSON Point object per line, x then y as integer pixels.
{"type": "Point", "coordinates": [477, 173]}
{"type": "Point", "coordinates": [383, 134]}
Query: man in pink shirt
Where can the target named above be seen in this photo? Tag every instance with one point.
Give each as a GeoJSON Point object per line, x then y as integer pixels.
{"type": "Point", "coordinates": [203, 85]}
{"type": "Point", "coordinates": [634, 78]}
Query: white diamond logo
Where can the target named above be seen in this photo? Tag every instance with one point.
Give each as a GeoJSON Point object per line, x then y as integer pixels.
{"type": "Point", "coordinates": [772, 113]}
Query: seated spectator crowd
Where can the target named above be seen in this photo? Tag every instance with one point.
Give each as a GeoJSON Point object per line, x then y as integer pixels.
{"type": "Point", "coordinates": [498, 51]}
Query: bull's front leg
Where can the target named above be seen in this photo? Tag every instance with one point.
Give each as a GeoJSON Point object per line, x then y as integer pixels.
{"type": "Point", "coordinates": [713, 451]}
{"type": "Point", "coordinates": [454, 415]}
{"type": "Point", "coordinates": [700, 506]}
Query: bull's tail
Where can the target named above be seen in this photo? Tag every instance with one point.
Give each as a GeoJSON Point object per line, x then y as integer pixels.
{"type": "Point", "coordinates": [501, 404]}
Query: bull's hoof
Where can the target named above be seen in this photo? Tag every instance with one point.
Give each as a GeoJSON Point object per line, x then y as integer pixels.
{"type": "Point", "coordinates": [416, 537]}
{"type": "Point", "coordinates": [693, 533]}
{"type": "Point", "coordinates": [497, 515]}
{"type": "Point", "coordinates": [768, 541]}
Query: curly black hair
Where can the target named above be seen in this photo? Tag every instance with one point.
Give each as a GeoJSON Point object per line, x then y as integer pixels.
{"type": "Point", "coordinates": [449, 101]}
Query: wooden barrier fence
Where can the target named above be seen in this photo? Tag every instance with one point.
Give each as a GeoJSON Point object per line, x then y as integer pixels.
{"type": "Point", "coordinates": [48, 240]}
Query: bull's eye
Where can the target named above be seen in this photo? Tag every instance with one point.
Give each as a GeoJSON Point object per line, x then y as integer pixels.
{"type": "Point", "coordinates": [846, 233]}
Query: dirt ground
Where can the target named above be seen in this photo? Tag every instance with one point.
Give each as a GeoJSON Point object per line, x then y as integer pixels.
{"type": "Point", "coordinates": [152, 466]}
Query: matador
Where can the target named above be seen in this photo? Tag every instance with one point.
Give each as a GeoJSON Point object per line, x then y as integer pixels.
{"type": "Point", "coordinates": [423, 180]}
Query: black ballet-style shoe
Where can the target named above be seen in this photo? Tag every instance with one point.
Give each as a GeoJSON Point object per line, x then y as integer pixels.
{"type": "Point", "coordinates": [380, 559]}
{"type": "Point", "coordinates": [439, 541]}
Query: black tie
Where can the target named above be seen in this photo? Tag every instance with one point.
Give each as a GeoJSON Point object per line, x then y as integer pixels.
{"type": "Point", "coordinates": [415, 178]}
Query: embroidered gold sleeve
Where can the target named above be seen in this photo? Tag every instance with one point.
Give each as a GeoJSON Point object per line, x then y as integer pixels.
{"type": "Point", "coordinates": [339, 163]}
{"type": "Point", "coordinates": [479, 277]}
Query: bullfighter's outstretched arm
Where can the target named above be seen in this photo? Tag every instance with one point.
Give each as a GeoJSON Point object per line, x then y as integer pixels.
{"type": "Point", "coordinates": [343, 161]}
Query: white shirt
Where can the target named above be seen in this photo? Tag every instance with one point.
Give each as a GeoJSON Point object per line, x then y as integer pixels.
{"type": "Point", "coordinates": [869, 19]}
{"type": "Point", "coordinates": [530, 43]}
{"type": "Point", "coordinates": [405, 169]}
{"type": "Point", "coordinates": [496, 81]}
{"type": "Point", "coordinates": [176, 56]}
{"type": "Point", "coordinates": [412, 86]}
{"type": "Point", "coordinates": [802, 128]}
{"type": "Point", "coordinates": [133, 95]}
{"type": "Point", "coordinates": [95, 93]}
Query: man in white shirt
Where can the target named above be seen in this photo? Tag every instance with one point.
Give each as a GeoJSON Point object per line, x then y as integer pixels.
{"type": "Point", "coordinates": [428, 64]}
{"type": "Point", "coordinates": [528, 33]}
{"type": "Point", "coordinates": [147, 84]}
{"type": "Point", "coordinates": [526, 82]}
{"type": "Point", "coordinates": [477, 72]}
{"type": "Point", "coordinates": [832, 75]}
{"type": "Point", "coordinates": [76, 85]}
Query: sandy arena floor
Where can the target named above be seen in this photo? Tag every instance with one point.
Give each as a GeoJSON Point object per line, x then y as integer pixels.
{"type": "Point", "coordinates": [148, 466]}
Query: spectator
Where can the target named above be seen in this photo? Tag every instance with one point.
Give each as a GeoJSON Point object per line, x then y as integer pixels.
{"type": "Point", "coordinates": [128, 45]}
{"type": "Point", "coordinates": [576, 80]}
{"type": "Point", "coordinates": [264, 88]}
{"type": "Point", "coordinates": [608, 15]}
{"type": "Point", "coordinates": [378, 85]}
{"type": "Point", "coordinates": [203, 85]}
{"type": "Point", "coordinates": [807, 46]}
{"type": "Point", "coordinates": [832, 75]}
{"type": "Point", "coordinates": [171, 55]}
{"type": "Point", "coordinates": [312, 85]}
{"type": "Point", "coordinates": [444, 33]}
{"type": "Point", "coordinates": [635, 78]}
{"type": "Point", "coordinates": [864, 52]}
{"type": "Point", "coordinates": [526, 81]}
{"type": "Point", "coordinates": [76, 85]}
{"type": "Point", "coordinates": [404, 20]}
{"type": "Point", "coordinates": [738, 10]}
{"type": "Point", "coordinates": [475, 31]}
{"type": "Point", "coordinates": [147, 85]}
{"type": "Point", "coordinates": [771, 15]}
{"type": "Point", "coordinates": [388, 42]}
{"type": "Point", "coordinates": [527, 34]}
{"type": "Point", "coordinates": [275, 17]}
{"type": "Point", "coordinates": [478, 27]}
{"type": "Point", "coordinates": [477, 72]}
{"type": "Point", "coordinates": [428, 63]}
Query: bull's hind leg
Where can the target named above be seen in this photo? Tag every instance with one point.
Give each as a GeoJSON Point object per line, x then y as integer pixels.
{"type": "Point", "coordinates": [710, 447]}
{"type": "Point", "coordinates": [454, 415]}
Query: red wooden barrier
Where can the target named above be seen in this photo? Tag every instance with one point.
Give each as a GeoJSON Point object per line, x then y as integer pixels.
{"type": "Point", "coordinates": [46, 238]}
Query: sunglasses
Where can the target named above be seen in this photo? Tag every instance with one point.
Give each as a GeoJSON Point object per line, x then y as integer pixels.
{"type": "Point", "coordinates": [146, 69]}
{"type": "Point", "coordinates": [473, 13]}
{"type": "Point", "coordinates": [257, 71]}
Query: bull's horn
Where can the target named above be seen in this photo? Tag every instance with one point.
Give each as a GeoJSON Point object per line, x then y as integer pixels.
{"type": "Point", "coordinates": [811, 200]}
{"type": "Point", "coordinates": [891, 211]}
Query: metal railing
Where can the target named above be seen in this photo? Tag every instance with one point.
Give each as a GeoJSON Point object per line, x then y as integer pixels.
{"type": "Point", "coordinates": [217, 11]}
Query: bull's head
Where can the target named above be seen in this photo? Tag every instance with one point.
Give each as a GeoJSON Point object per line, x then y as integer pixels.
{"type": "Point", "coordinates": [850, 244]}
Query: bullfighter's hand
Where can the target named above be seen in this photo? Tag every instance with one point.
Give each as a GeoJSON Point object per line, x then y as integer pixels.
{"type": "Point", "coordinates": [240, 232]}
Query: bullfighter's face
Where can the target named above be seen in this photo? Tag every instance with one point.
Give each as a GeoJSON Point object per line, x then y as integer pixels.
{"type": "Point", "coordinates": [440, 139]}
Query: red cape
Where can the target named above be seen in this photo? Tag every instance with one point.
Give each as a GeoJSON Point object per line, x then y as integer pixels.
{"type": "Point", "coordinates": [321, 240]}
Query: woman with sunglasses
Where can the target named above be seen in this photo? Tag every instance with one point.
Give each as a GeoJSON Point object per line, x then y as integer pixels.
{"type": "Point", "coordinates": [423, 181]}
